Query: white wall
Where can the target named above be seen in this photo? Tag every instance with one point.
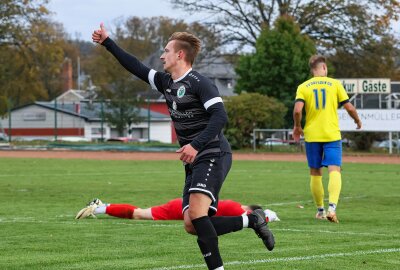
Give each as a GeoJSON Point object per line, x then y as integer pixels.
{"type": "Point", "coordinates": [161, 131]}
{"type": "Point", "coordinates": [88, 130]}
{"type": "Point", "coordinates": [372, 120]}
{"type": "Point", "coordinates": [34, 116]}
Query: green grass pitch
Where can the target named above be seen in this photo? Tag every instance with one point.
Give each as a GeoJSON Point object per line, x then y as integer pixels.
{"type": "Point", "coordinates": [40, 197]}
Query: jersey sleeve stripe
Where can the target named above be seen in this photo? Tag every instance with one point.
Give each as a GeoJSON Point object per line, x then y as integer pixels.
{"type": "Point", "coordinates": [299, 100]}
{"type": "Point", "coordinates": [151, 76]}
{"type": "Point", "coordinates": [212, 102]}
{"type": "Point", "coordinates": [343, 102]}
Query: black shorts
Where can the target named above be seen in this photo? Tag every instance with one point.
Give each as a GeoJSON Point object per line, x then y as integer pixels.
{"type": "Point", "coordinates": [206, 175]}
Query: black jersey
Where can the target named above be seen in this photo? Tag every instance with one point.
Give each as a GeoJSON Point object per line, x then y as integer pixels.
{"type": "Point", "coordinates": [188, 99]}
{"type": "Point", "coordinates": [193, 101]}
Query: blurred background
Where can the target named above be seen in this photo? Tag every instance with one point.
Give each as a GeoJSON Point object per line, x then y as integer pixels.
{"type": "Point", "coordinates": [56, 85]}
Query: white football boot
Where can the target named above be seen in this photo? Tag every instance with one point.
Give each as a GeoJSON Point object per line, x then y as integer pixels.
{"type": "Point", "coordinates": [271, 215]}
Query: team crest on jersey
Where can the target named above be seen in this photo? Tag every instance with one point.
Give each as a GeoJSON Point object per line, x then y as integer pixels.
{"type": "Point", "coordinates": [181, 91]}
{"type": "Point", "coordinates": [174, 106]}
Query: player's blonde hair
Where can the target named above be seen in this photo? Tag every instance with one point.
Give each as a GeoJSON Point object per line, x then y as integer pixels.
{"type": "Point", "coordinates": [315, 60]}
{"type": "Point", "coordinates": [188, 43]}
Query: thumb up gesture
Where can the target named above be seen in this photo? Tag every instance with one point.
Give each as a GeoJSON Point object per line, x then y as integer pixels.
{"type": "Point", "coordinates": [100, 35]}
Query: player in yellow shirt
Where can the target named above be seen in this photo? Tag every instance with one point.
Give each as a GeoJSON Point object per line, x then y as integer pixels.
{"type": "Point", "coordinates": [321, 96]}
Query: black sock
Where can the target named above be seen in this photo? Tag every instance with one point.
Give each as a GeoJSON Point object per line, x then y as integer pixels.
{"type": "Point", "coordinates": [207, 240]}
{"type": "Point", "coordinates": [225, 225]}
{"type": "Point", "coordinates": [252, 220]}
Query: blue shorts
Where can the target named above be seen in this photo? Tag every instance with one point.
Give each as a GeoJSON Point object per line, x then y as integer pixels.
{"type": "Point", "coordinates": [323, 154]}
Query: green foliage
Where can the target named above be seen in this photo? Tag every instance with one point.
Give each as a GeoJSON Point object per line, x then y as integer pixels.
{"type": "Point", "coordinates": [16, 17]}
{"type": "Point", "coordinates": [40, 198]}
{"type": "Point", "coordinates": [122, 112]}
{"type": "Point", "coordinates": [279, 64]}
{"type": "Point", "coordinates": [248, 111]}
{"type": "Point", "coordinates": [3, 106]}
{"type": "Point", "coordinates": [31, 52]}
{"type": "Point", "coordinates": [19, 76]}
{"type": "Point", "coordinates": [375, 59]}
{"type": "Point", "coordinates": [363, 140]}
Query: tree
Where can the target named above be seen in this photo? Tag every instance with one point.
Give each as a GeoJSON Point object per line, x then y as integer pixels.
{"type": "Point", "coordinates": [19, 78]}
{"type": "Point", "coordinates": [31, 52]}
{"type": "Point", "coordinates": [3, 106]}
{"type": "Point", "coordinates": [375, 60]}
{"type": "Point", "coordinates": [279, 64]}
{"type": "Point", "coordinates": [332, 24]}
{"type": "Point", "coordinates": [16, 17]}
{"type": "Point", "coordinates": [123, 109]}
{"type": "Point", "coordinates": [31, 69]}
{"type": "Point", "coordinates": [363, 140]}
{"type": "Point", "coordinates": [248, 111]}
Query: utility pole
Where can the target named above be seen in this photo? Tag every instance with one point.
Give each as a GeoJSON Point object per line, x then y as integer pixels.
{"type": "Point", "coordinates": [79, 73]}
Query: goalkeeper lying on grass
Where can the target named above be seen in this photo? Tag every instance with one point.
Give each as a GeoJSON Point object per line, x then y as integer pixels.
{"type": "Point", "coordinates": [171, 210]}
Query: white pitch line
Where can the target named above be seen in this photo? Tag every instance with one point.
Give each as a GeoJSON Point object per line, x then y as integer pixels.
{"type": "Point", "coordinates": [87, 174]}
{"type": "Point", "coordinates": [310, 201]}
{"type": "Point", "coordinates": [337, 232]}
{"type": "Point", "coordinates": [174, 225]}
{"type": "Point", "coordinates": [288, 259]}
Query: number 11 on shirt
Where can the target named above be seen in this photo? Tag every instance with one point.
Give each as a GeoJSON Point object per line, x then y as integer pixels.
{"type": "Point", "coordinates": [323, 92]}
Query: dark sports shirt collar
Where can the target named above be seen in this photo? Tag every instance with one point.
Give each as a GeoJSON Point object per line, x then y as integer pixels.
{"type": "Point", "coordinates": [183, 76]}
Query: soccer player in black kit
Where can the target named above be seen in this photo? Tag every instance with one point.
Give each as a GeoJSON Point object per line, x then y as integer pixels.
{"type": "Point", "coordinates": [198, 114]}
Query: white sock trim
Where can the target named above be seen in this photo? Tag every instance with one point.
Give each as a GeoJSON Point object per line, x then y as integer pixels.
{"type": "Point", "coordinates": [245, 221]}
{"type": "Point", "coordinates": [332, 207]}
{"type": "Point", "coordinates": [219, 268]}
{"type": "Point", "coordinates": [100, 209]}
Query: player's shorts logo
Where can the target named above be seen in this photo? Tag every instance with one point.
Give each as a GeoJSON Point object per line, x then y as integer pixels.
{"type": "Point", "coordinates": [181, 91]}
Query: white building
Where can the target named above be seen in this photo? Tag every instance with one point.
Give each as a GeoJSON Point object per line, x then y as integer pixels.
{"type": "Point", "coordinates": [73, 117]}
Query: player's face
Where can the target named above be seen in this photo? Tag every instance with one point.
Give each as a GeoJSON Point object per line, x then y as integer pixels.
{"type": "Point", "coordinates": [170, 56]}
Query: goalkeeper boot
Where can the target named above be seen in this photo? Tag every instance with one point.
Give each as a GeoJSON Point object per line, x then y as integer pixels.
{"type": "Point", "coordinates": [89, 209]}
{"type": "Point", "coordinates": [262, 230]}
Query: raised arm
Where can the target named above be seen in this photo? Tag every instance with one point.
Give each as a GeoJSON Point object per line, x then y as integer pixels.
{"type": "Point", "coordinates": [128, 61]}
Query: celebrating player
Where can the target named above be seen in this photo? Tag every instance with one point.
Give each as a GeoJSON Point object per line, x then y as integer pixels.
{"type": "Point", "coordinates": [198, 114]}
{"type": "Point", "coordinates": [321, 97]}
{"type": "Point", "coordinates": [171, 210]}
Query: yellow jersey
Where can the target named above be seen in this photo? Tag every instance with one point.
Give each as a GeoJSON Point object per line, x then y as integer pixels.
{"type": "Point", "coordinates": [322, 97]}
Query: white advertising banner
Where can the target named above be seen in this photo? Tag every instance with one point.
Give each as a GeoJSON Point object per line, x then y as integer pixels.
{"type": "Point", "coordinates": [372, 120]}
{"type": "Point", "coordinates": [367, 86]}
